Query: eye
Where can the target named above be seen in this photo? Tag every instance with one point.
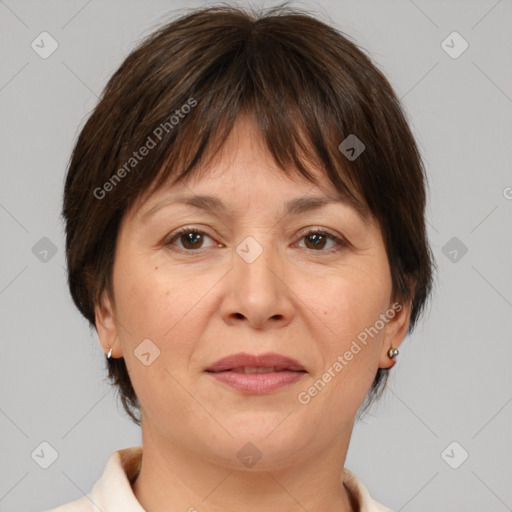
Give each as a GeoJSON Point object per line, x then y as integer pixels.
{"type": "Point", "coordinates": [191, 239]}
{"type": "Point", "coordinates": [316, 240]}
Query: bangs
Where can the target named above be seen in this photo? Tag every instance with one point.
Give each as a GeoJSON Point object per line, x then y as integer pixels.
{"type": "Point", "coordinates": [288, 96]}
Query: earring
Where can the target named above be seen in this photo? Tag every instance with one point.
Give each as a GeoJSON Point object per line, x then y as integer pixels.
{"type": "Point", "coordinates": [392, 352]}
{"type": "Point", "coordinates": [109, 353]}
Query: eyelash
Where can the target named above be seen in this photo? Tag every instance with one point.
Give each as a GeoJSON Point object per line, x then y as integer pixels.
{"type": "Point", "coordinates": [341, 244]}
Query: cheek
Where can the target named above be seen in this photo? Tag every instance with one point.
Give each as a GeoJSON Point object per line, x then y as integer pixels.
{"type": "Point", "coordinates": [163, 305]}
{"type": "Point", "coordinates": [348, 347]}
{"type": "Point", "coordinates": [349, 300]}
{"type": "Point", "coordinates": [143, 305]}
{"type": "Point", "coordinates": [151, 301]}
{"type": "Point", "coordinates": [155, 305]}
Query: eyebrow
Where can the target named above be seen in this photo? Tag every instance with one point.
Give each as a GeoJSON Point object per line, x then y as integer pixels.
{"type": "Point", "coordinates": [218, 207]}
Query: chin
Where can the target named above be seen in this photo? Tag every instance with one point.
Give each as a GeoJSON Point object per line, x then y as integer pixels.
{"type": "Point", "coordinates": [259, 447]}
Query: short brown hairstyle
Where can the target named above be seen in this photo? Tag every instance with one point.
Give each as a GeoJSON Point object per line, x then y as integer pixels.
{"type": "Point", "coordinates": [307, 87]}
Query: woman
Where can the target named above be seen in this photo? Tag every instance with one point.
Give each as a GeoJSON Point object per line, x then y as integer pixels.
{"type": "Point", "coordinates": [245, 230]}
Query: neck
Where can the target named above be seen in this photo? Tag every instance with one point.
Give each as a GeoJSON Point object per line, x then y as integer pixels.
{"type": "Point", "coordinates": [182, 479]}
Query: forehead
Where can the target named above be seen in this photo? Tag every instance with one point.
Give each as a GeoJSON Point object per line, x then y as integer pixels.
{"type": "Point", "coordinates": [244, 172]}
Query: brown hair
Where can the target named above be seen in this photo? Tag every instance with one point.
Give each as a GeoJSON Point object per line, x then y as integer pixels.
{"type": "Point", "coordinates": [178, 94]}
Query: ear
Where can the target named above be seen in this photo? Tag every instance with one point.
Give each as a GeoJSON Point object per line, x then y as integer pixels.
{"type": "Point", "coordinates": [395, 331]}
{"type": "Point", "coordinates": [106, 325]}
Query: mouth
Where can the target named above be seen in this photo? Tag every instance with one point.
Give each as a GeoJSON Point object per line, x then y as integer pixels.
{"type": "Point", "coordinates": [262, 363]}
{"type": "Point", "coordinates": [258, 369]}
{"type": "Point", "coordinates": [256, 374]}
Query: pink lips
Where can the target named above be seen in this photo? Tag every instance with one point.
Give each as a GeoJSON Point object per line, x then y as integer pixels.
{"type": "Point", "coordinates": [256, 374]}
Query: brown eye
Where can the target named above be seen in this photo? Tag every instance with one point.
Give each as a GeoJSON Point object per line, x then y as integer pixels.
{"type": "Point", "coordinates": [189, 238]}
{"type": "Point", "coordinates": [316, 240]}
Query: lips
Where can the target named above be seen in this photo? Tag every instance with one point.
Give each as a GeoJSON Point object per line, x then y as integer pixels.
{"type": "Point", "coordinates": [256, 374]}
{"type": "Point", "coordinates": [263, 363]}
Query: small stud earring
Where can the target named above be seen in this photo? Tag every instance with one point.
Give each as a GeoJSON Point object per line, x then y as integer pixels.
{"type": "Point", "coordinates": [392, 352]}
{"type": "Point", "coordinates": [109, 353]}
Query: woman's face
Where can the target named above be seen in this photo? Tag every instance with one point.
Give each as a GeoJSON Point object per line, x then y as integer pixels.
{"type": "Point", "coordinates": [254, 281]}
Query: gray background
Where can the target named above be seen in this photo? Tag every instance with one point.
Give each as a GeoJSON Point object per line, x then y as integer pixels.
{"type": "Point", "coordinates": [453, 379]}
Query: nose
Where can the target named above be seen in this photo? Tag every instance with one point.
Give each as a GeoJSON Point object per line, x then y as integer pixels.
{"type": "Point", "coordinates": [257, 292]}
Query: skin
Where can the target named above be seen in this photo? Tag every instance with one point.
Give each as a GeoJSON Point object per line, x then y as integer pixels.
{"type": "Point", "coordinates": [295, 299]}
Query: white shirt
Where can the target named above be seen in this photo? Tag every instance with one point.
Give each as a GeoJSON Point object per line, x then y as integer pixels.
{"type": "Point", "coordinates": [112, 492]}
